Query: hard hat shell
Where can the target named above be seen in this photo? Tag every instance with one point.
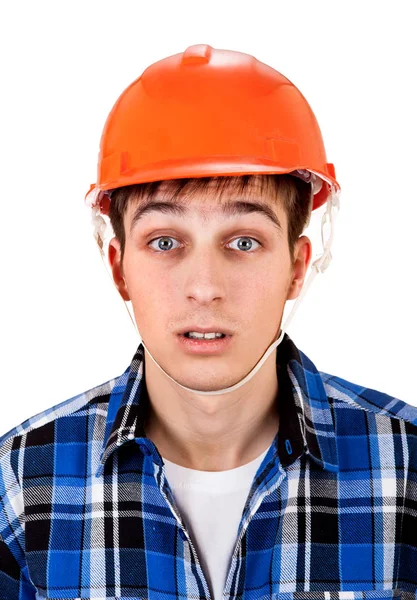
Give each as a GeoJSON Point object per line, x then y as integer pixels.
{"type": "Point", "coordinates": [209, 112]}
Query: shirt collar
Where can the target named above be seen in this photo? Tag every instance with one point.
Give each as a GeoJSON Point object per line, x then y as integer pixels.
{"type": "Point", "coordinates": [305, 417]}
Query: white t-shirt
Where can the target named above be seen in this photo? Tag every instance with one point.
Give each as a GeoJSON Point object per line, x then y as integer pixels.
{"type": "Point", "coordinates": [211, 504]}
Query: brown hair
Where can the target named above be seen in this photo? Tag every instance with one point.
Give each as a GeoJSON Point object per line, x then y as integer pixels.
{"type": "Point", "coordinates": [294, 193]}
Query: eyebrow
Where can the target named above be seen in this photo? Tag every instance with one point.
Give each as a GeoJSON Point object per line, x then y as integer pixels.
{"type": "Point", "coordinates": [229, 209]}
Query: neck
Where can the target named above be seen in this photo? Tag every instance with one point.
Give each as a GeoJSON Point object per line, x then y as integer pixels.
{"type": "Point", "coordinates": [212, 433]}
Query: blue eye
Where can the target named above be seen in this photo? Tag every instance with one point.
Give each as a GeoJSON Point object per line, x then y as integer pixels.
{"type": "Point", "coordinates": [164, 246]}
{"type": "Point", "coordinates": [245, 246]}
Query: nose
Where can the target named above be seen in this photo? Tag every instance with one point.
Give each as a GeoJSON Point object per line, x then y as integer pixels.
{"type": "Point", "coordinates": [205, 278]}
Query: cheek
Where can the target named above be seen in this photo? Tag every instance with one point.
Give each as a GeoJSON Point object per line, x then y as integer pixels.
{"type": "Point", "coordinates": [268, 295]}
{"type": "Point", "coordinates": [260, 296]}
{"type": "Point", "coordinates": [150, 292]}
{"type": "Point", "coordinates": [271, 281]}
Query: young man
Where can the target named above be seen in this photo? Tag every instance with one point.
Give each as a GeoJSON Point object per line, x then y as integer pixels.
{"type": "Point", "coordinates": [223, 467]}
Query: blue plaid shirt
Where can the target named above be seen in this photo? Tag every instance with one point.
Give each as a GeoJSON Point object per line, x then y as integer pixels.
{"type": "Point", "coordinates": [87, 512]}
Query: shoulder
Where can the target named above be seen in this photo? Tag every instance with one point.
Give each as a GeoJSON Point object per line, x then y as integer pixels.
{"type": "Point", "coordinates": [90, 399]}
{"type": "Point", "coordinates": [346, 394]}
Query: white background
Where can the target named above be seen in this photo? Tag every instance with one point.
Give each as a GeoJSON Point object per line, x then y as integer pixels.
{"type": "Point", "coordinates": [64, 329]}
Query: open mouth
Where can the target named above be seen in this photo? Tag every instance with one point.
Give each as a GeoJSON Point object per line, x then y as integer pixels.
{"type": "Point", "coordinates": [204, 346]}
{"type": "Point", "coordinates": [216, 337]}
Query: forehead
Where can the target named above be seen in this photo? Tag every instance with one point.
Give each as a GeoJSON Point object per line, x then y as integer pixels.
{"type": "Point", "coordinates": [223, 196]}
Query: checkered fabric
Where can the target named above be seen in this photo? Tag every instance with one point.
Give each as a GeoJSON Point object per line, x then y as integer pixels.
{"type": "Point", "coordinates": [87, 512]}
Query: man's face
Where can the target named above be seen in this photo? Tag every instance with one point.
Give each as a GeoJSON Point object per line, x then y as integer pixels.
{"type": "Point", "coordinates": [213, 270]}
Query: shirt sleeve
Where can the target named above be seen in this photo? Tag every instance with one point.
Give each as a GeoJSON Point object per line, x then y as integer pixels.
{"type": "Point", "coordinates": [15, 582]}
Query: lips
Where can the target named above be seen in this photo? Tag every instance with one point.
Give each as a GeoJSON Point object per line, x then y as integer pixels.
{"type": "Point", "coordinates": [215, 338]}
{"type": "Point", "coordinates": [202, 346]}
{"type": "Point", "coordinates": [211, 329]}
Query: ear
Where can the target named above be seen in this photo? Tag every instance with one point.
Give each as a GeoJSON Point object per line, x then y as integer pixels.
{"type": "Point", "coordinates": [302, 257]}
{"type": "Point", "coordinates": [115, 260]}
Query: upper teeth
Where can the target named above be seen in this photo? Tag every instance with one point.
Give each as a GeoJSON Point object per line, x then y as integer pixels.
{"type": "Point", "coordinates": [208, 336]}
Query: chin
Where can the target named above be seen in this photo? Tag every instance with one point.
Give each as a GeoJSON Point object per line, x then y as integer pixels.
{"type": "Point", "coordinates": [209, 382]}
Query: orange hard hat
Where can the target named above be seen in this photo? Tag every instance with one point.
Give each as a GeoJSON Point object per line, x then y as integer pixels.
{"type": "Point", "coordinates": [208, 112]}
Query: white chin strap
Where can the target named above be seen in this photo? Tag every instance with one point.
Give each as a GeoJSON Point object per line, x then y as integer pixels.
{"type": "Point", "coordinates": [319, 265]}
